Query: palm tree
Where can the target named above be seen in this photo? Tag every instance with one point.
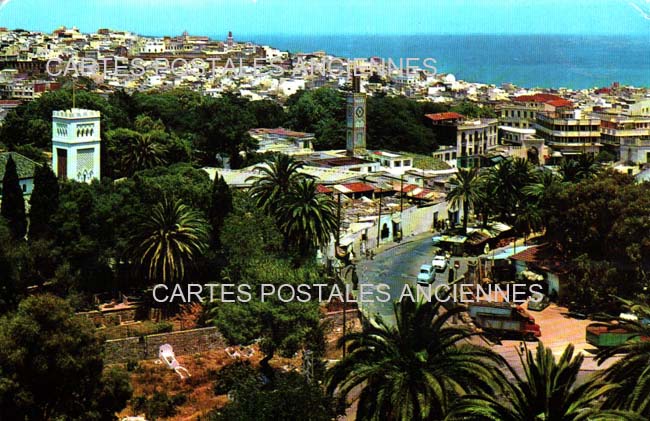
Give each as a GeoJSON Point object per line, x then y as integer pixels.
{"type": "Point", "coordinates": [528, 219]}
{"type": "Point", "coordinates": [414, 369]}
{"type": "Point", "coordinates": [275, 181]}
{"type": "Point", "coordinates": [502, 178]}
{"type": "Point", "coordinates": [576, 170]}
{"type": "Point", "coordinates": [308, 218]}
{"type": "Point", "coordinates": [168, 241]}
{"type": "Point", "coordinates": [466, 191]}
{"type": "Point", "coordinates": [541, 191]}
{"type": "Point", "coordinates": [143, 153]}
{"type": "Point", "coordinates": [588, 167]}
{"type": "Point", "coordinates": [632, 372]}
{"type": "Point", "coordinates": [548, 391]}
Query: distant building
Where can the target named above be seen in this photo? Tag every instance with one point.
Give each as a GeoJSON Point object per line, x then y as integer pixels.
{"type": "Point", "coordinates": [627, 136]}
{"type": "Point", "coordinates": [230, 41]}
{"type": "Point", "coordinates": [346, 163]}
{"type": "Point", "coordinates": [282, 140]}
{"type": "Point", "coordinates": [76, 144]}
{"type": "Point", "coordinates": [25, 168]}
{"type": "Point", "coordinates": [391, 162]}
{"type": "Point", "coordinates": [522, 111]}
{"type": "Point", "coordinates": [471, 137]}
{"type": "Point", "coordinates": [569, 131]}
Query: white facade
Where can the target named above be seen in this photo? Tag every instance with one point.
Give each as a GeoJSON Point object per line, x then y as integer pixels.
{"type": "Point", "coordinates": [76, 144]}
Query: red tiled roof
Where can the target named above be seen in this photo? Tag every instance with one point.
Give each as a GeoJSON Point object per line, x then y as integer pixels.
{"type": "Point", "coordinates": [542, 257]}
{"type": "Point", "coordinates": [557, 103]}
{"type": "Point", "coordinates": [550, 99]}
{"type": "Point", "coordinates": [444, 116]}
{"type": "Point", "coordinates": [359, 187]}
{"type": "Point", "coordinates": [322, 189]}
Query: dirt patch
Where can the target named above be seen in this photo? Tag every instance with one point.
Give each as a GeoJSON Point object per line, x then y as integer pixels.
{"type": "Point", "coordinates": [152, 376]}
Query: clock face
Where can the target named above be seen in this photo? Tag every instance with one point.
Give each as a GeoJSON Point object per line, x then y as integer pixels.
{"type": "Point", "coordinates": [359, 112]}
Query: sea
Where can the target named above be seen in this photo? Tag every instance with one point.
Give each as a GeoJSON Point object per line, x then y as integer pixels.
{"type": "Point", "coordinates": [545, 61]}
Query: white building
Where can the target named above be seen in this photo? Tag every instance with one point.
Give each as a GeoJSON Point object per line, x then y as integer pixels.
{"type": "Point", "coordinates": [76, 144]}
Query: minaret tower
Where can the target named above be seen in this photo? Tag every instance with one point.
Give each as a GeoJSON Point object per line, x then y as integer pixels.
{"type": "Point", "coordinates": [76, 144]}
{"type": "Point", "coordinates": [356, 120]}
{"type": "Point", "coordinates": [230, 41]}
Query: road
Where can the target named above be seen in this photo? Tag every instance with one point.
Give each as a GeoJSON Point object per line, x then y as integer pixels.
{"type": "Point", "coordinates": [397, 267]}
{"type": "Point", "coordinates": [400, 265]}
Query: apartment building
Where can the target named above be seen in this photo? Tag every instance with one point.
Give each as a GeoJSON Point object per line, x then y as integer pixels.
{"type": "Point", "coordinates": [569, 131]}
{"type": "Point", "coordinates": [471, 137]}
{"type": "Point", "coordinates": [522, 111]}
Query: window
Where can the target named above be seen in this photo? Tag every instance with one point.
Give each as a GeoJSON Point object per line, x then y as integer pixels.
{"type": "Point", "coordinates": [24, 186]}
{"type": "Point", "coordinates": [407, 163]}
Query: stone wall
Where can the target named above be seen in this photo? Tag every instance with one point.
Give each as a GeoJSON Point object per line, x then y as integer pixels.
{"type": "Point", "coordinates": [146, 347]}
{"type": "Point", "coordinates": [113, 317]}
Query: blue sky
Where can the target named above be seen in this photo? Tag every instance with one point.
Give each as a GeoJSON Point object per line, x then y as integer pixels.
{"type": "Point", "coordinates": [252, 17]}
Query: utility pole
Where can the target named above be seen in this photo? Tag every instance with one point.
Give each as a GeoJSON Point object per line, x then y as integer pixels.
{"type": "Point", "coordinates": [338, 219]}
{"type": "Point", "coordinates": [379, 219]}
{"type": "Point", "coordinates": [401, 195]}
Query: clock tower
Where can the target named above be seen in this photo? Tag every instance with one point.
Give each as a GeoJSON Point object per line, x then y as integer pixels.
{"type": "Point", "coordinates": [356, 120]}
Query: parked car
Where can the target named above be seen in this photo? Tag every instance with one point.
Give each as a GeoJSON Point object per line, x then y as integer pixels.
{"type": "Point", "coordinates": [439, 263]}
{"type": "Point", "coordinates": [426, 275]}
{"type": "Point", "coordinates": [539, 305]}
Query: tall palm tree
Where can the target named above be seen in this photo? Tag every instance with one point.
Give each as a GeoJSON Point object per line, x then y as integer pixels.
{"type": "Point", "coordinates": [168, 241]}
{"type": "Point", "coordinates": [308, 218]}
{"type": "Point", "coordinates": [143, 153]}
{"type": "Point", "coordinates": [583, 168]}
{"type": "Point", "coordinates": [466, 192]}
{"type": "Point", "coordinates": [548, 391]}
{"type": "Point", "coordinates": [632, 372]}
{"type": "Point", "coordinates": [502, 178]}
{"type": "Point", "coordinates": [414, 369]}
{"type": "Point", "coordinates": [541, 192]}
{"type": "Point", "coordinates": [588, 167]}
{"type": "Point", "coordinates": [276, 179]}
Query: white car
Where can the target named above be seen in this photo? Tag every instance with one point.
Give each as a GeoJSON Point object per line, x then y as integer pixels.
{"type": "Point", "coordinates": [439, 263]}
{"type": "Point", "coordinates": [426, 275]}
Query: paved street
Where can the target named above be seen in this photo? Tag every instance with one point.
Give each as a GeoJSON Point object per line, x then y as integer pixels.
{"type": "Point", "coordinates": [400, 264]}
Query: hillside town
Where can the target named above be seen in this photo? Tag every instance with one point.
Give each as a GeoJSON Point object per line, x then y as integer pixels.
{"type": "Point", "coordinates": [125, 180]}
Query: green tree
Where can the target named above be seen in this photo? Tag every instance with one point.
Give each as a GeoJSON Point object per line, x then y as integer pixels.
{"type": "Point", "coordinates": [143, 153]}
{"type": "Point", "coordinates": [308, 218]}
{"type": "Point", "coordinates": [275, 181]}
{"type": "Point", "coordinates": [253, 400]}
{"type": "Point", "coordinates": [548, 391]}
{"type": "Point", "coordinates": [397, 123]}
{"type": "Point", "coordinates": [465, 192]}
{"type": "Point", "coordinates": [283, 325]}
{"type": "Point", "coordinates": [13, 203]}
{"type": "Point", "coordinates": [414, 369]}
{"type": "Point", "coordinates": [43, 203]}
{"type": "Point", "coordinates": [169, 241]}
{"type": "Point", "coordinates": [473, 110]}
{"type": "Point", "coordinates": [632, 372]}
{"type": "Point", "coordinates": [51, 366]}
{"type": "Point", "coordinates": [268, 113]}
{"type": "Point", "coordinates": [322, 112]}
{"type": "Point", "coordinates": [220, 206]}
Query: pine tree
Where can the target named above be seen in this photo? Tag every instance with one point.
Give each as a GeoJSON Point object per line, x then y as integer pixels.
{"type": "Point", "coordinates": [220, 206]}
{"type": "Point", "coordinates": [43, 203]}
{"type": "Point", "coordinates": [13, 203]}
